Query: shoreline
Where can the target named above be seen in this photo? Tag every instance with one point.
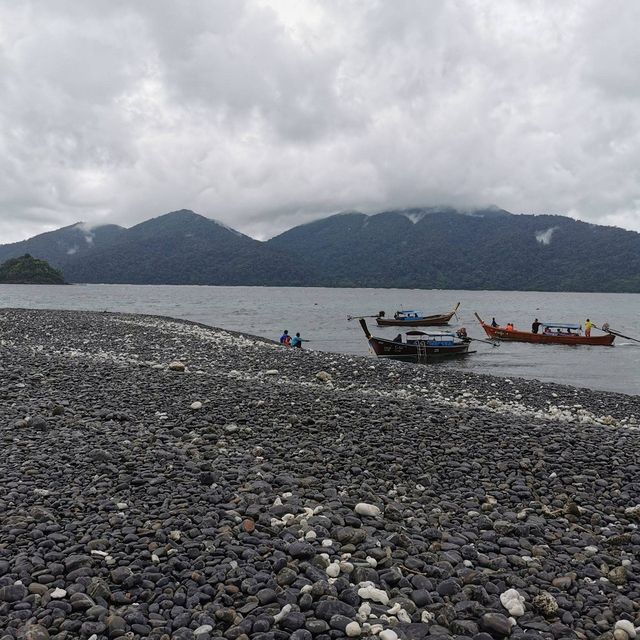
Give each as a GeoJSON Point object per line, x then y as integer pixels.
{"type": "Point", "coordinates": [262, 492]}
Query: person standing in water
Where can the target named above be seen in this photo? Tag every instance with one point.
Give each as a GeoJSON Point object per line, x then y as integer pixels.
{"type": "Point", "coordinates": [296, 341]}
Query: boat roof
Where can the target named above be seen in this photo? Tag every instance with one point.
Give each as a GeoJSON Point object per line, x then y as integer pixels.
{"type": "Point", "coordinates": [408, 311]}
{"type": "Point", "coordinates": [430, 334]}
{"type": "Point", "coordinates": [560, 325]}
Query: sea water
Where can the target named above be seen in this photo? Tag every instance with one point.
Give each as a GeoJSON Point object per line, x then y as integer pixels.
{"type": "Point", "coordinates": [320, 315]}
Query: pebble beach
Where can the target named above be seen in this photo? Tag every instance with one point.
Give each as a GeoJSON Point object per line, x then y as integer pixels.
{"type": "Point", "coordinates": [162, 479]}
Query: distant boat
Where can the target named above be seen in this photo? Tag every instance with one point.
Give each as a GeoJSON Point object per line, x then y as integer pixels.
{"type": "Point", "coordinates": [406, 318]}
{"type": "Point", "coordinates": [418, 346]}
{"type": "Point", "coordinates": [551, 333]}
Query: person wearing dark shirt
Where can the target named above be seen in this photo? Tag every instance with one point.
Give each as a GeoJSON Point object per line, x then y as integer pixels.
{"type": "Point", "coordinates": [494, 323]}
{"type": "Point", "coordinates": [535, 325]}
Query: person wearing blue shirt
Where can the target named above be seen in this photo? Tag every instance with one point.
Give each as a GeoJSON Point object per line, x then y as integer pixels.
{"type": "Point", "coordinates": [296, 341]}
{"type": "Point", "coordinates": [285, 338]}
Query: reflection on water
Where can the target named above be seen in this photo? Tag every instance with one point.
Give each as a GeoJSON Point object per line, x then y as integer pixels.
{"type": "Point", "coordinates": [320, 315]}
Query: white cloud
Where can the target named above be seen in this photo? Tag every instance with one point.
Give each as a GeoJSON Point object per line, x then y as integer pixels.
{"type": "Point", "coordinates": [544, 237]}
{"type": "Point", "coordinates": [269, 113]}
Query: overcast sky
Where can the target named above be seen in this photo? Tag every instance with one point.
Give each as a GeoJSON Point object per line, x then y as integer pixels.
{"type": "Point", "coordinates": [268, 113]}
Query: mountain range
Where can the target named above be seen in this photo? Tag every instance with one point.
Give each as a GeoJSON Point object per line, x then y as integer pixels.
{"type": "Point", "coordinates": [485, 248]}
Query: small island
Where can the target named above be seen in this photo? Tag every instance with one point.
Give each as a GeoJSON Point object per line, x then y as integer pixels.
{"type": "Point", "coordinates": [29, 270]}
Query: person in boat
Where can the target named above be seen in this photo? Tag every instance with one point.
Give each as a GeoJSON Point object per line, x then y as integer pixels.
{"type": "Point", "coordinates": [588, 325]}
{"type": "Point", "coordinates": [296, 341]}
{"type": "Point", "coordinates": [509, 326]}
{"type": "Point", "coordinates": [547, 331]}
{"type": "Point", "coordinates": [535, 326]}
{"type": "Point", "coordinates": [462, 334]}
{"type": "Point", "coordinates": [494, 323]}
{"type": "Point", "coordinates": [285, 338]}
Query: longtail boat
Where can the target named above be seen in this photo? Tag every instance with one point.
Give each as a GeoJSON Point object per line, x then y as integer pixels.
{"type": "Point", "coordinates": [551, 333]}
{"type": "Point", "coordinates": [407, 318]}
{"type": "Point", "coordinates": [417, 346]}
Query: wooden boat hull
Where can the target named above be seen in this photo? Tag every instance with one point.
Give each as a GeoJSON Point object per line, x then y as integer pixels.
{"type": "Point", "coordinates": [412, 352]}
{"type": "Point", "coordinates": [435, 320]}
{"type": "Point", "coordinates": [499, 333]}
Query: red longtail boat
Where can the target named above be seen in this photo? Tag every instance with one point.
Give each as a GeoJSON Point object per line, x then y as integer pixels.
{"type": "Point", "coordinates": [552, 333]}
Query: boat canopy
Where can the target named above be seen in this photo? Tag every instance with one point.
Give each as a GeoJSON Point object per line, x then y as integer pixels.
{"type": "Point", "coordinates": [560, 325]}
{"type": "Point", "coordinates": [430, 334]}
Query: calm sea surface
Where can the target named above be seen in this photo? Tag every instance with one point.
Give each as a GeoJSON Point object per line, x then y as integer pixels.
{"type": "Point", "coordinates": [320, 315]}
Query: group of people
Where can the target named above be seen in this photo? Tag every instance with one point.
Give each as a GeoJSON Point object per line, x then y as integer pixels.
{"type": "Point", "coordinates": [508, 326]}
{"type": "Point", "coordinates": [288, 341]}
{"type": "Point", "coordinates": [536, 324]}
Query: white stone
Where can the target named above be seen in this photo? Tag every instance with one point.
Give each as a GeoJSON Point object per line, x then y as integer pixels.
{"type": "Point", "coordinates": [403, 616]}
{"type": "Point", "coordinates": [58, 593]}
{"type": "Point", "coordinates": [388, 634]}
{"type": "Point", "coordinates": [333, 570]}
{"type": "Point", "coordinates": [202, 629]}
{"type": "Point", "coordinates": [323, 376]}
{"type": "Point", "coordinates": [513, 602]}
{"type": "Point", "coordinates": [427, 617]}
{"type": "Point", "coordinates": [102, 554]}
{"type": "Point", "coordinates": [175, 535]}
{"type": "Point", "coordinates": [353, 630]}
{"type": "Point", "coordinates": [327, 542]}
{"type": "Point", "coordinates": [396, 607]}
{"type": "Point", "coordinates": [620, 634]}
{"type": "Point", "coordinates": [346, 567]}
{"type": "Point", "coordinates": [311, 535]}
{"type": "Point", "coordinates": [283, 612]}
{"type": "Point", "coordinates": [195, 406]}
{"type": "Point", "coordinates": [365, 609]}
{"type": "Point", "coordinates": [627, 627]}
{"type": "Point", "coordinates": [122, 505]}
{"type": "Point", "coordinates": [371, 593]}
{"type": "Point", "coordinates": [271, 372]}
{"type": "Point", "coordinates": [366, 509]}
{"type": "Point", "coordinates": [176, 365]}
{"type": "Point", "coordinates": [374, 629]}
{"type": "Point", "coordinates": [372, 562]}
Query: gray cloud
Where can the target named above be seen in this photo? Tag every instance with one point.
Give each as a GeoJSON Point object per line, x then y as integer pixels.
{"type": "Point", "coordinates": [268, 113]}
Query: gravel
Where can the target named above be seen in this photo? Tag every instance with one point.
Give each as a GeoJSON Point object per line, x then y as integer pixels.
{"type": "Point", "coordinates": [166, 480]}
